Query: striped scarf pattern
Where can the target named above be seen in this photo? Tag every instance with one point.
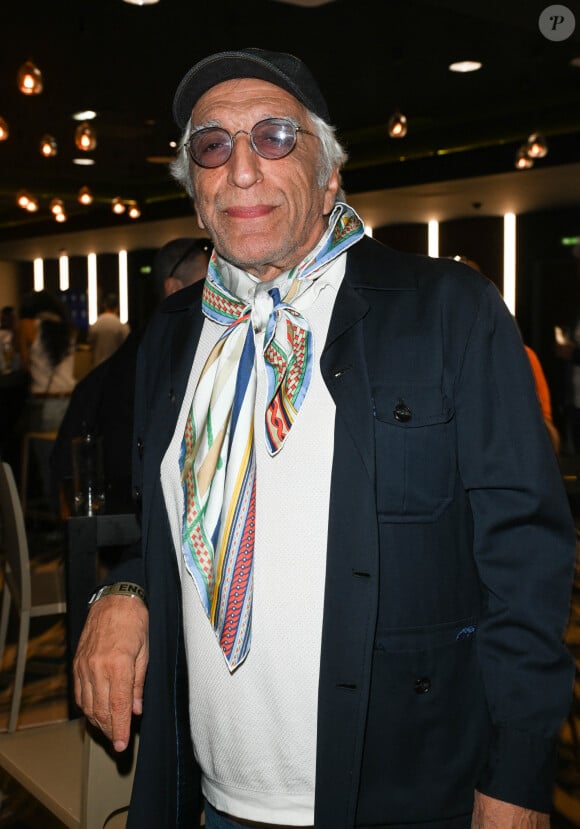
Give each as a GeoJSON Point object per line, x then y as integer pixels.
{"type": "Point", "coordinates": [217, 459]}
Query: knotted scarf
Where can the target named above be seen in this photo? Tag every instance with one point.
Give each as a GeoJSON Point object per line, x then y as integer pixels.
{"type": "Point", "coordinates": [217, 459]}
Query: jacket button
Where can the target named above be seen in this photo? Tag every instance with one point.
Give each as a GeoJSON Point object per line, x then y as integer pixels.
{"type": "Point", "coordinates": [140, 446]}
{"type": "Point", "coordinates": [137, 493]}
{"type": "Point", "coordinates": [423, 685]}
{"type": "Point", "coordinates": [171, 395]}
{"type": "Point", "coordinates": [402, 413]}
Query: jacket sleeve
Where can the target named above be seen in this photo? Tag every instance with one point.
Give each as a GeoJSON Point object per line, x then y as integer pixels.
{"type": "Point", "coordinates": [525, 548]}
{"type": "Point", "coordinates": [130, 566]}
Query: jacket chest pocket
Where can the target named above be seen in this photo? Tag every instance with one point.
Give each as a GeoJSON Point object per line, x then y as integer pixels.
{"type": "Point", "coordinates": [415, 452]}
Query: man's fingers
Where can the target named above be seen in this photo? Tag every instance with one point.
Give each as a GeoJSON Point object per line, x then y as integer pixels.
{"type": "Point", "coordinates": [110, 665]}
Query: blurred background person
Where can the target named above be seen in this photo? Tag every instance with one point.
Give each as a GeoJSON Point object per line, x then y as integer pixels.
{"type": "Point", "coordinates": [107, 333]}
{"type": "Point", "coordinates": [545, 398]}
{"type": "Point", "coordinates": [47, 353]}
{"type": "Point", "coordinates": [9, 359]}
{"type": "Point", "coordinates": [102, 403]}
{"type": "Point", "coordinates": [46, 346]}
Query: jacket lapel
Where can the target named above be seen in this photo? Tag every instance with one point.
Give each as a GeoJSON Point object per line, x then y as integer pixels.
{"type": "Point", "coordinates": [185, 338]}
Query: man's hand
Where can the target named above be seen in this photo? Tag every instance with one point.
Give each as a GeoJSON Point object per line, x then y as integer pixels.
{"type": "Point", "coordinates": [110, 664]}
{"type": "Point", "coordinates": [489, 813]}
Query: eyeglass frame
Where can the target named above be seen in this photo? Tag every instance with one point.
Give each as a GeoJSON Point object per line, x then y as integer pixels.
{"type": "Point", "coordinates": [286, 121]}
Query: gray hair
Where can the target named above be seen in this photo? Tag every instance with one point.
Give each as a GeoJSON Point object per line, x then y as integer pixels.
{"type": "Point", "coordinates": [333, 155]}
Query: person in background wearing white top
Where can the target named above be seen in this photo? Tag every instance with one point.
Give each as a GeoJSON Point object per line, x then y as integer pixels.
{"type": "Point", "coordinates": [47, 354]}
{"type": "Point", "coordinates": [357, 555]}
{"type": "Point", "coordinates": [107, 333]}
{"type": "Point", "coordinates": [47, 351]}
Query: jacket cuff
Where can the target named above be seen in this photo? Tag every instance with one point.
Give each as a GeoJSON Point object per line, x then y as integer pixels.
{"type": "Point", "coordinates": [520, 769]}
{"type": "Point", "coordinates": [130, 569]}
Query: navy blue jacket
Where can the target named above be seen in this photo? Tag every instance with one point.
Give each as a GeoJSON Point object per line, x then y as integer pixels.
{"type": "Point", "coordinates": [449, 564]}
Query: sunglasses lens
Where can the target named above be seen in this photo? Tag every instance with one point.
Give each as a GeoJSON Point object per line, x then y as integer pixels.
{"type": "Point", "coordinates": [271, 138]}
{"type": "Point", "coordinates": [274, 138]}
{"type": "Point", "coordinates": [210, 147]}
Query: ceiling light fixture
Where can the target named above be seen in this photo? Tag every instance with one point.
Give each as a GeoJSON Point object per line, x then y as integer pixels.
{"type": "Point", "coordinates": [29, 79]}
{"type": "Point", "coordinates": [463, 66]}
{"type": "Point", "coordinates": [56, 206]}
{"type": "Point", "coordinates": [83, 162]}
{"type": "Point", "coordinates": [85, 137]}
{"type": "Point", "coordinates": [141, 2]}
{"type": "Point", "coordinates": [22, 199]}
{"type": "Point", "coordinates": [134, 211]}
{"type": "Point", "coordinates": [48, 146]}
{"type": "Point", "coordinates": [85, 196]}
{"type": "Point", "coordinates": [523, 160]}
{"type": "Point", "coordinates": [60, 217]}
{"type": "Point", "coordinates": [84, 115]}
{"type": "Point", "coordinates": [117, 205]}
{"type": "Point", "coordinates": [537, 146]}
{"type": "Point", "coordinates": [397, 125]}
{"type": "Point", "coordinates": [32, 204]}
{"type": "Point", "coordinates": [4, 131]}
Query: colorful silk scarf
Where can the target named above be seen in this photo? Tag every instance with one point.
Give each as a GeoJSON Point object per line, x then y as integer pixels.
{"type": "Point", "coordinates": [218, 464]}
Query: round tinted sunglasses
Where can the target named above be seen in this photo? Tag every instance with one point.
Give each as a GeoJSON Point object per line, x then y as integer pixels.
{"type": "Point", "coordinates": [271, 138]}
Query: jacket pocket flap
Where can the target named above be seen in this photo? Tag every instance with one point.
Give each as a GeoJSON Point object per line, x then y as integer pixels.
{"type": "Point", "coordinates": [410, 407]}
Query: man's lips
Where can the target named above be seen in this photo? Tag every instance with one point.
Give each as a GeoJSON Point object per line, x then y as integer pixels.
{"type": "Point", "coordinates": [256, 211]}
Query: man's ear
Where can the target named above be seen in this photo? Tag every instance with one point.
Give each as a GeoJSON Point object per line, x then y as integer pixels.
{"type": "Point", "coordinates": [331, 191]}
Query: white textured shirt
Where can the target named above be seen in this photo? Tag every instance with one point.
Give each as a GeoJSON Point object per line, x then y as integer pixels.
{"type": "Point", "coordinates": [254, 731]}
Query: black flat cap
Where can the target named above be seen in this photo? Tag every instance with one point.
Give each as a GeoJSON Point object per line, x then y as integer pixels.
{"type": "Point", "coordinates": [279, 68]}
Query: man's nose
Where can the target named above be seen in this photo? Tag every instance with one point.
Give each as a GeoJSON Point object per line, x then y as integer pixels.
{"type": "Point", "coordinates": [244, 163]}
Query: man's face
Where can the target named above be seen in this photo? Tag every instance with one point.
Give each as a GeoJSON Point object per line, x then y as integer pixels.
{"type": "Point", "coordinates": [263, 215]}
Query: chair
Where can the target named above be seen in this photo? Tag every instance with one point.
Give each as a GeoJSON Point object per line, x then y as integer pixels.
{"type": "Point", "coordinates": [33, 590]}
{"type": "Point", "coordinates": [70, 769]}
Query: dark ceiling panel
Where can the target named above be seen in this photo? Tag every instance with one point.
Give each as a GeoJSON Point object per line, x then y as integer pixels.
{"type": "Point", "coordinates": [370, 57]}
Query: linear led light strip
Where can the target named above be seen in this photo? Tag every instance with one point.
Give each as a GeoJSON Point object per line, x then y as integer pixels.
{"type": "Point", "coordinates": [123, 287]}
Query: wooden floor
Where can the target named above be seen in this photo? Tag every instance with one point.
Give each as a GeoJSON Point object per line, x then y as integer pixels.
{"type": "Point", "coordinates": [45, 700]}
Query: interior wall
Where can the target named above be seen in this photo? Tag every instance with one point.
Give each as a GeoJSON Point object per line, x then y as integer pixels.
{"type": "Point", "coordinates": [9, 284]}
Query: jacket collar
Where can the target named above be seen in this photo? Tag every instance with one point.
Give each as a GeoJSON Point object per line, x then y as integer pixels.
{"type": "Point", "coordinates": [375, 266]}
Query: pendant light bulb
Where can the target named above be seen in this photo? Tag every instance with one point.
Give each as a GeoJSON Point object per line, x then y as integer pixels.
{"type": "Point", "coordinates": [397, 125]}
{"type": "Point", "coordinates": [85, 196]}
{"type": "Point", "coordinates": [48, 146]}
{"type": "Point", "coordinates": [32, 204]}
{"type": "Point", "coordinates": [4, 131]}
{"type": "Point", "coordinates": [537, 146]}
{"type": "Point", "coordinates": [523, 160]}
{"type": "Point", "coordinates": [85, 137]}
{"type": "Point", "coordinates": [134, 211]}
{"type": "Point", "coordinates": [29, 79]}
{"type": "Point", "coordinates": [117, 205]}
{"type": "Point", "coordinates": [56, 206]}
{"type": "Point", "coordinates": [22, 199]}
{"type": "Point", "coordinates": [60, 217]}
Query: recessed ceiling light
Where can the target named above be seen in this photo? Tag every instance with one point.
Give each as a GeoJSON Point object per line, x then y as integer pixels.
{"type": "Point", "coordinates": [465, 66]}
{"type": "Point", "coordinates": [84, 115]}
{"type": "Point", "coordinates": [84, 162]}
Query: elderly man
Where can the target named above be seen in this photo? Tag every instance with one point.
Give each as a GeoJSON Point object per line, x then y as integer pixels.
{"type": "Point", "coordinates": [357, 551]}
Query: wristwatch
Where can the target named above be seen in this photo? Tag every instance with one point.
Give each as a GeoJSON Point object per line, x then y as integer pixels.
{"type": "Point", "coordinates": [120, 588]}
